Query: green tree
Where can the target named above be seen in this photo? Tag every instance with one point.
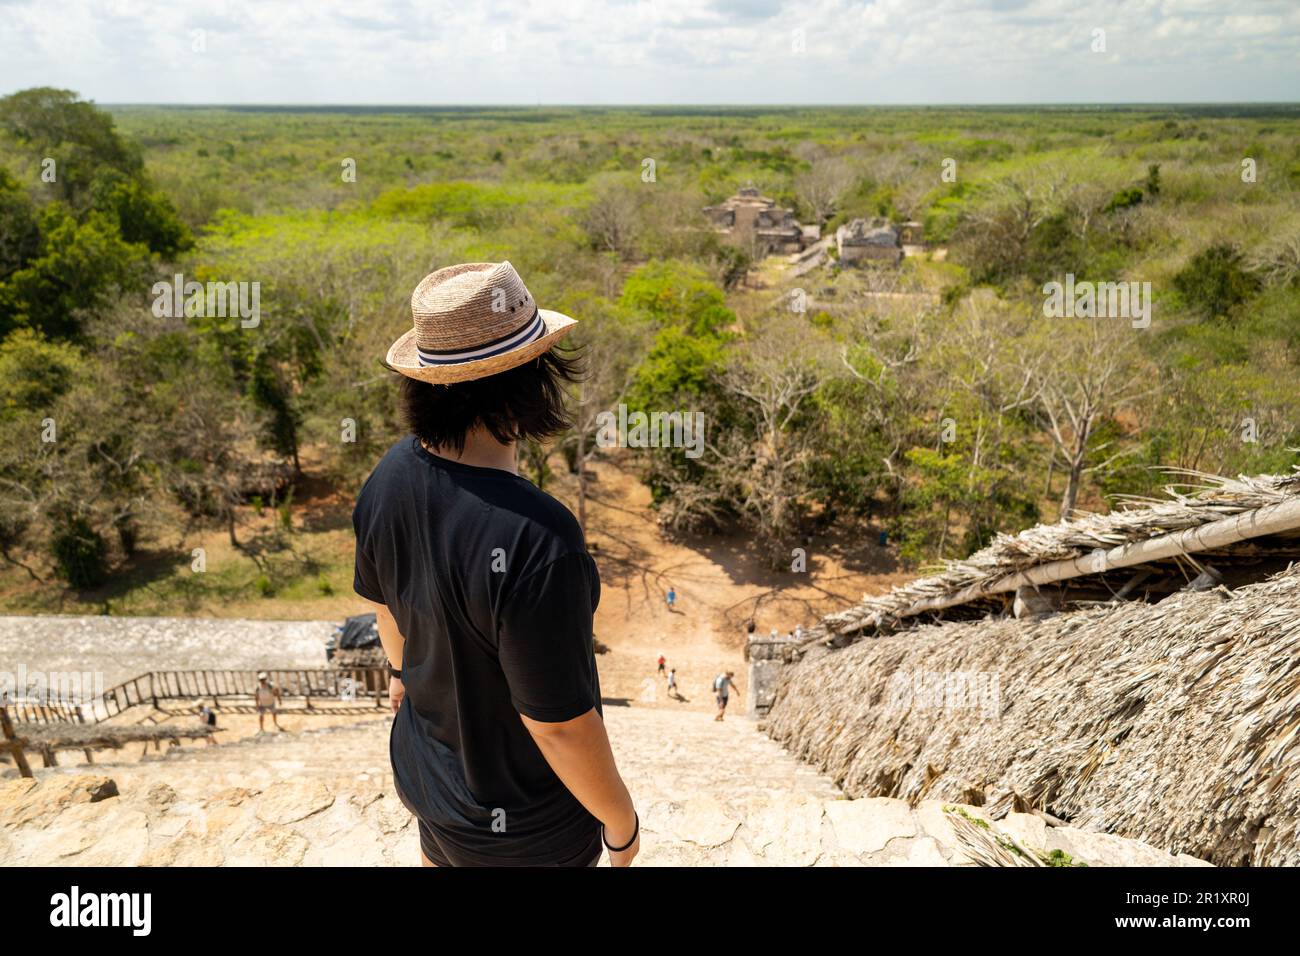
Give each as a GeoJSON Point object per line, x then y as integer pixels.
{"type": "Point", "coordinates": [1215, 281]}
{"type": "Point", "coordinates": [79, 269]}
{"type": "Point", "coordinates": [33, 373]}
{"type": "Point", "coordinates": [272, 394]}
{"type": "Point", "coordinates": [944, 487]}
{"type": "Point", "coordinates": [680, 295]}
{"type": "Point", "coordinates": [20, 231]}
{"type": "Point", "coordinates": [77, 135]}
{"type": "Point", "coordinates": [1153, 180]}
{"type": "Point", "coordinates": [79, 551]}
{"type": "Point", "coordinates": [142, 215]}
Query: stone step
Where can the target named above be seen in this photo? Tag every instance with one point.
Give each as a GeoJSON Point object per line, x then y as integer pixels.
{"type": "Point", "coordinates": [709, 793]}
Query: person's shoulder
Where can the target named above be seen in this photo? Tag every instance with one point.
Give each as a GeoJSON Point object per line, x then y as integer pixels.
{"type": "Point", "coordinates": [399, 456]}
{"type": "Point", "coordinates": [552, 526]}
{"type": "Point", "coordinates": [396, 461]}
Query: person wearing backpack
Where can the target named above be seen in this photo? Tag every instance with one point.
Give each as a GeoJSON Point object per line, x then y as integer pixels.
{"type": "Point", "coordinates": [722, 685]}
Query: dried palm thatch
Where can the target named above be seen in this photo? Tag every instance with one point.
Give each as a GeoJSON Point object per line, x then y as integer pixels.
{"type": "Point", "coordinates": [987, 846]}
{"type": "Point", "coordinates": [1175, 723]}
{"type": "Point", "coordinates": [1209, 515]}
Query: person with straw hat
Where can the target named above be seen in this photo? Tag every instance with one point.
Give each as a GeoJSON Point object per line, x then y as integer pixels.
{"type": "Point", "coordinates": [266, 697]}
{"type": "Point", "coordinates": [484, 591]}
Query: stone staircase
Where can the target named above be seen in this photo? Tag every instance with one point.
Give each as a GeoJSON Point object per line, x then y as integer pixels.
{"type": "Point", "coordinates": [709, 794]}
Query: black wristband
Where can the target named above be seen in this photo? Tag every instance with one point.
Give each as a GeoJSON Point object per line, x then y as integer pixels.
{"type": "Point", "coordinates": [636, 831]}
{"type": "Point", "coordinates": [394, 672]}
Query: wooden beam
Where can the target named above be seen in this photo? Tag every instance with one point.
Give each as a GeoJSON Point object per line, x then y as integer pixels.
{"type": "Point", "coordinates": [15, 748]}
{"type": "Point", "coordinates": [1271, 519]}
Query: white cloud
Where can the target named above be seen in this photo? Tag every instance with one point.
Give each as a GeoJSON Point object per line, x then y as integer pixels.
{"type": "Point", "coordinates": [653, 51]}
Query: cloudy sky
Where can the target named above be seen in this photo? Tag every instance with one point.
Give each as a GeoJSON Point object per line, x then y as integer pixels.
{"type": "Point", "coordinates": [654, 51]}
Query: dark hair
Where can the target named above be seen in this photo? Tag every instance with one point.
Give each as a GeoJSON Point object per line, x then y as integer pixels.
{"type": "Point", "coordinates": [522, 403]}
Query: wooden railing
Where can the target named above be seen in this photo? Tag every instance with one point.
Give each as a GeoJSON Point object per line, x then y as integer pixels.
{"type": "Point", "coordinates": [9, 743]}
{"type": "Point", "coordinates": [44, 712]}
{"type": "Point", "coordinates": [325, 690]}
{"type": "Point", "coordinates": [342, 685]}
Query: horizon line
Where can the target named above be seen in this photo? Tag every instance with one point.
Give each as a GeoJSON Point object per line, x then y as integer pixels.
{"type": "Point", "coordinates": [566, 105]}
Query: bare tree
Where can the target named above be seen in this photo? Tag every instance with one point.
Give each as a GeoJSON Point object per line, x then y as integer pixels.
{"type": "Point", "coordinates": [612, 348]}
{"type": "Point", "coordinates": [1084, 201]}
{"type": "Point", "coordinates": [821, 189]}
{"type": "Point", "coordinates": [1081, 372]}
{"type": "Point", "coordinates": [774, 377]}
{"type": "Point", "coordinates": [981, 366]}
{"type": "Point", "coordinates": [996, 233]}
{"type": "Point", "coordinates": [1277, 260]}
{"type": "Point", "coordinates": [612, 219]}
{"type": "Point", "coordinates": [887, 352]}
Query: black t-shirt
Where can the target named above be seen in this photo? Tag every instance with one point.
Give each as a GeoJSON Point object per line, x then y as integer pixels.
{"type": "Point", "coordinates": [493, 589]}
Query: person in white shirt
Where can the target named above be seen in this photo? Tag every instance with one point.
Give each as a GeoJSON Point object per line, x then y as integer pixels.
{"type": "Point", "coordinates": [266, 698]}
{"type": "Point", "coordinates": [722, 685]}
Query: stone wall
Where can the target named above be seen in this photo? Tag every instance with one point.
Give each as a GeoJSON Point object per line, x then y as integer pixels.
{"type": "Point", "coordinates": [766, 657]}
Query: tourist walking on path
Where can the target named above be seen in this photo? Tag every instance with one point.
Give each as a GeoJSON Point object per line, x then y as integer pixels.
{"type": "Point", "coordinates": [662, 661]}
{"type": "Point", "coordinates": [722, 685]}
{"type": "Point", "coordinates": [267, 699]}
{"type": "Point", "coordinates": [672, 683]}
{"type": "Point", "coordinates": [671, 597]}
{"type": "Point", "coordinates": [484, 591]}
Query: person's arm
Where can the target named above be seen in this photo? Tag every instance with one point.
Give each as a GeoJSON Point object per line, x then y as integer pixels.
{"type": "Point", "coordinates": [394, 644]}
{"type": "Point", "coordinates": [545, 649]}
{"type": "Point", "coordinates": [579, 753]}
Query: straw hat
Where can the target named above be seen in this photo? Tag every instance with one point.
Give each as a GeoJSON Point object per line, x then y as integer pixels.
{"type": "Point", "coordinates": [473, 320]}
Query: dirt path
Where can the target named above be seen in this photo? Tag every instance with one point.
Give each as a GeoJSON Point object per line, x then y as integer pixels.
{"type": "Point", "coordinates": [720, 585]}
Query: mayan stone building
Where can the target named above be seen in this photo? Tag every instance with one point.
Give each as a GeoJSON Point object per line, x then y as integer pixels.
{"type": "Point", "coordinates": [911, 233]}
{"type": "Point", "coordinates": [753, 220]}
{"type": "Point", "coordinates": [868, 240]}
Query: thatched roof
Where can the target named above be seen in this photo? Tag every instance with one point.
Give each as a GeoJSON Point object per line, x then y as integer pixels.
{"type": "Point", "coordinates": [1100, 552]}
{"type": "Point", "coordinates": [1175, 723]}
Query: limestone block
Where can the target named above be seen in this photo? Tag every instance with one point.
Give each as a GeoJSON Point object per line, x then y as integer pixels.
{"type": "Point", "coordinates": [269, 845]}
{"type": "Point", "coordinates": [1026, 828]}
{"type": "Point", "coordinates": [867, 825]}
{"type": "Point", "coordinates": [287, 801]}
